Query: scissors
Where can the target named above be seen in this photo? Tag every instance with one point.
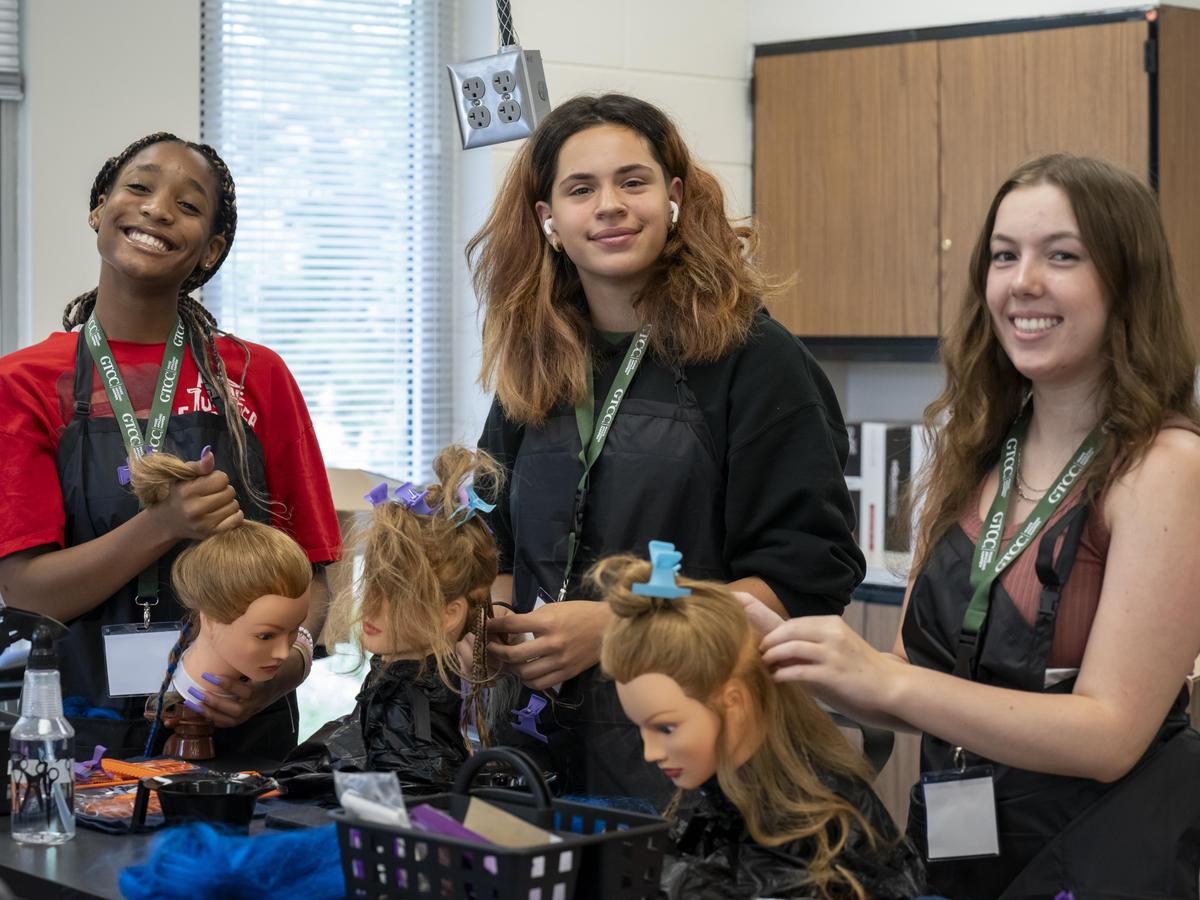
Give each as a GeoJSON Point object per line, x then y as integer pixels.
{"type": "Point", "coordinates": [40, 777]}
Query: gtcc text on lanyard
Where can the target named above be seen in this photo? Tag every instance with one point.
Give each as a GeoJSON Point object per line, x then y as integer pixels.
{"type": "Point", "coordinates": [593, 434]}
{"type": "Point", "coordinates": [990, 559]}
{"type": "Point", "coordinates": [138, 445]}
{"type": "Point", "coordinates": [960, 803]}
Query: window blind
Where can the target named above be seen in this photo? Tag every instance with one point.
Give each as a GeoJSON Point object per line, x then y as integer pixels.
{"type": "Point", "coordinates": [331, 115]}
{"type": "Point", "coordinates": [10, 50]}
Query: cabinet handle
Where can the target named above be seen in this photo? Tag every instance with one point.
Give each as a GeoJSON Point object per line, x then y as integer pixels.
{"type": "Point", "coordinates": [946, 244]}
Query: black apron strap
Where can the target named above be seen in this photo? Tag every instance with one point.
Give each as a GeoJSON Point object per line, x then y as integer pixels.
{"type": "Point", "coordinates": [1052, 572]}
{"type": "Point", "coordinates": [83, 378]}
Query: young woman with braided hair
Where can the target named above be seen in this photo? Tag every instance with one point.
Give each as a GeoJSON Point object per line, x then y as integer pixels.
{"type": "Point", "coordinates": [429, 561]}
{"type": "Point", "coordinates": [146, 368]}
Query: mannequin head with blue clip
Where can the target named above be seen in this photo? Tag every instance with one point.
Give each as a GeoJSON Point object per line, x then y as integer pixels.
{"type": "Point", "coordinates": [690, 677]}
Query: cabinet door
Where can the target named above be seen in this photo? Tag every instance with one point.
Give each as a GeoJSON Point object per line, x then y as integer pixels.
{"type": "Point", "coordinates": [1007, 98]}
{"type": "Point", "coordinates": [845, 188]}
{"type": "Point", "coordinates": [1179, 138]}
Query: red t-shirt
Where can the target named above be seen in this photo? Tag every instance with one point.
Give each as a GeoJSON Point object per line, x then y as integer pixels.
{"type": "Point", "coordinates": [37, 402]}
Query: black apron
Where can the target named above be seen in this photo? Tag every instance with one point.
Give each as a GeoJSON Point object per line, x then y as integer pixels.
{"type": "Point", "coordinates": [1056, 832]}
{"type": "Point", "coordinates": [659, 478]}
{"type": "Point", "coordinates": [89, 452]}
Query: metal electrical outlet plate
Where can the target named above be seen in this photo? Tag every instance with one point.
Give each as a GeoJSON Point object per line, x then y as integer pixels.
{"type": "Point", "coordinates": [499, 98]}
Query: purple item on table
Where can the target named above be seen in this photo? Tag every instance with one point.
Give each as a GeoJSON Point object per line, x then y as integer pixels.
{"type": "Point", "coordinates": [435, 821]}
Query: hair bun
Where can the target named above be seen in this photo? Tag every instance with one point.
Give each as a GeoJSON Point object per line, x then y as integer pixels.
{"type": "Point", "coordinates": [614, 578]}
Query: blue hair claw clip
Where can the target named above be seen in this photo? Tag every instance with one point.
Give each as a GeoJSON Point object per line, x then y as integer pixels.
{"type": "Point", "coordinates": [664, 562]}
{"type": "Point", "coordinates": [470, 503]}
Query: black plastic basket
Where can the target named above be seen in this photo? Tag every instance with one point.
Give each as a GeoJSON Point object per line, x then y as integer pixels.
{"type": "Point", "coordinates": [604, 853]}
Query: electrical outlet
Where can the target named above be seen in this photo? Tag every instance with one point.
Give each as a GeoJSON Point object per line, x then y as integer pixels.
{"type": "Point", "coordinates": [511, 110]}
{"type": "Point", "coordinates": [473, 88]}
{"type": "Point", "coordinates": [508, 111]}
{"type": "Point", "coordinates": [503, 82]}
{"type": "Point", "coordinates": [479, 117]}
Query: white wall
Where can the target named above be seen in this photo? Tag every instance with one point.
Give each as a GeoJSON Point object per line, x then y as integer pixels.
{"type": "Point", "coordinates": [774, 21]}
{"type": "Point", "coordinates": [691, 57]}
{"type": "Point", "coordinates": [97, 76]}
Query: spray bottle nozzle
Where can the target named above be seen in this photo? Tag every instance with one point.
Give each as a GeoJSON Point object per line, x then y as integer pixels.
{"type": "Point", "coordinates": [41, 654]}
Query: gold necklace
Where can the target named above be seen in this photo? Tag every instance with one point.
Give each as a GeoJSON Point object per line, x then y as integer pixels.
{"type": "Point", "coordinates": [1020, 493]}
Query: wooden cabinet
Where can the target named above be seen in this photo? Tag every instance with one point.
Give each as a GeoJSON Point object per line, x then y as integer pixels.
{"type": "Point", "coordinates": [873, 165]}
{"type": "Point", "coordinates": [879, 623]}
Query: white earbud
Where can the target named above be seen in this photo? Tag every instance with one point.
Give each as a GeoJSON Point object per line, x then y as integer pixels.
{"type": "Point", "coordinates": [548, 227]}
{"type": "Point", "coordinates": [674, 212]}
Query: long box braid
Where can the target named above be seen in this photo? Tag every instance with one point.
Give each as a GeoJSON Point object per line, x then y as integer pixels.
{"type": "Point", "coordinates": [201, 325]}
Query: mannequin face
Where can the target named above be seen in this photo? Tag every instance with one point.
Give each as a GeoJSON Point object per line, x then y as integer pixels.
{"type": "Point", "coordinates": [679, 733]}
{"type": "Point", "coordinates": [259, 641]}
{"type": "Point", "coordinates": [379, 634]}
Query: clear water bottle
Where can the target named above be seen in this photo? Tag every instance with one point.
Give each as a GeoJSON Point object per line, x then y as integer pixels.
{"type": "Point", "coordinates": [42, 765]}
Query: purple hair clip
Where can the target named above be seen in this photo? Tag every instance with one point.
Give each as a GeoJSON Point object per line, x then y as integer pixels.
{"type": "Point", "coordinates": [85, 769]}
{"type": "Point", "coordinates": [377, 494]}
{"type": "Point", "coordinates": [408, 496]}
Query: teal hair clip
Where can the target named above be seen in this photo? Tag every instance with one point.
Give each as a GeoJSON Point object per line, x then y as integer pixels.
{"type": "Point", "coordinates": [664, 562]}
{"type": "Point", "coordinates": [469, 503]}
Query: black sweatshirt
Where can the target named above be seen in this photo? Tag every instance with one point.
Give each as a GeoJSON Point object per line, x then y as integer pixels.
{"type": "Point", "coordinates": [776, 425]}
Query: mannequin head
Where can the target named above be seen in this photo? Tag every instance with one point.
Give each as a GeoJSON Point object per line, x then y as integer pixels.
{"type": "Point", "coordinates": [689, 675]}
{"type": "Point", "coordinates": [426, 576]}
{"type": "Point", "coordinates": [246, 588]}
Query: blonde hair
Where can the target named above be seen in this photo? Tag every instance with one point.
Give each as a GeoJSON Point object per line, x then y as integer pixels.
{"type": "Point", "coordinates": [1150, 358]}
{"type": "Point", "coordinates": [700, 299]}
{"type": "Point", "coordinates": [414, 565]}
{"type": "Point", "coordinates": [223, 574]}
{"type": "Point", "coordinates": [704, 641]}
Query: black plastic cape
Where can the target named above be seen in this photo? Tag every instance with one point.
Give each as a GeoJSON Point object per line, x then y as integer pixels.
{"type": "Point", "coordinates": [717, 859]}
{"type": "Point", "coordinates": [402, 721]}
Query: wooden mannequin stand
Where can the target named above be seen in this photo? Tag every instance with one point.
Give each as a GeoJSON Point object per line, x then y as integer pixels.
{"type": "Point", "coordinates": [193, 737]}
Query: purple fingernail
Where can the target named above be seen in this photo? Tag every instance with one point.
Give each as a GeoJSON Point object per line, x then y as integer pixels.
{"type": "Point", "coordinates": [207, 449]}
{"type": "Point", "coordinates": [199, 695]}
{"type": "Point", "coordinates": [194, 707]}
{"type": "Point", "coordinates": [211, 679]}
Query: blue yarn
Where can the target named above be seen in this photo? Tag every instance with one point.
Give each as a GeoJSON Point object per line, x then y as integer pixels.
{"type": "Point", "coordinates": [198, 861]}
{"type": "Point", "coordinates": [79, 708]}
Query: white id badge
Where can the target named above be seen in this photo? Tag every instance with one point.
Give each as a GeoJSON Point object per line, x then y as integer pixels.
{"type": "Point", "coordinates": [960, 813]}
{"type": "Point", "coordinates": [136, 657]}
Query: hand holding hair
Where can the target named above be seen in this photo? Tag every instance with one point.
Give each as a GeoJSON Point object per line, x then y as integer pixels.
{"type": "Point", "coordinates": [566, 640]}
{"type": "Point", "coordinates": [191, 500]}
{"type": "Point", "coordinates": [826, 654]}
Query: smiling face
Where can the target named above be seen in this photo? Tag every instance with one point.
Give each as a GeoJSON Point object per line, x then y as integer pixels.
{"type": "Point", "coordinates": [1044, 294]}
{"type": "Point", "coordinates": [679, 734]}
{"type": "Point", "coordinates": [155, 223]}
{"type": "Point", "coordinates": [610, 205]}
{"type": "Point", "coordinates": [260, 640]}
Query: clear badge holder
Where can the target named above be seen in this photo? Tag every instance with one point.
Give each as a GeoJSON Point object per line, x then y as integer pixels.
{"type": "Point", "coordinates": [135, 657]}
{"type": "Point", "coordinates": [960, 811]}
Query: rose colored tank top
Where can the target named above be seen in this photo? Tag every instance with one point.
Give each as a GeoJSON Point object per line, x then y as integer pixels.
{"type": "Point", "coordinates": [1081, 595]}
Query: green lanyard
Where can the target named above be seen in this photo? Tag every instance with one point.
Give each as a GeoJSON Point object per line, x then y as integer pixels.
{"type": "Point", "coordinates": [593, 434]}
{"type": "Point", "coordinates": [990, 559]}
{"type": "Point", "coordinates": [138, 445]}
